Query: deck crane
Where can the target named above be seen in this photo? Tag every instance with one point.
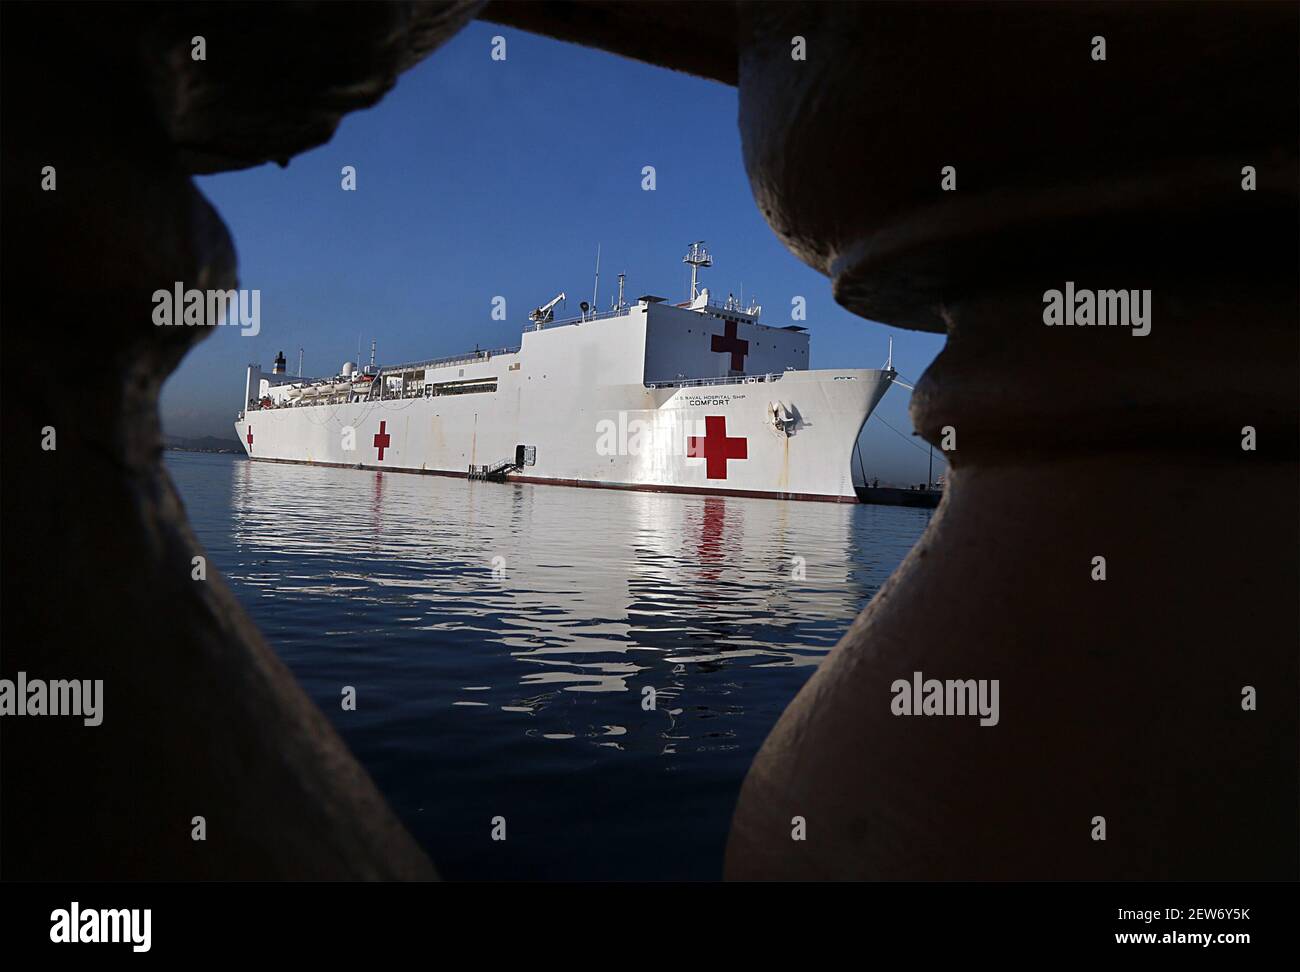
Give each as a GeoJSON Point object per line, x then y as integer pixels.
{"type": "Point", "coordinates": [546, 313]}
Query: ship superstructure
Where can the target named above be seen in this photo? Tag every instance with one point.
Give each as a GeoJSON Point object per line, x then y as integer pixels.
{"type": "Point", "coordinates": [696, 396]}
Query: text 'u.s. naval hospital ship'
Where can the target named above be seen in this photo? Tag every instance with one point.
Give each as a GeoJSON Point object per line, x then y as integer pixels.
{"type": "Point", "coordinates": [695, 397]}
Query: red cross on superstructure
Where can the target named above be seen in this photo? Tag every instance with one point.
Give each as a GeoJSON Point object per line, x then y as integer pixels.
{"type": "Point", "coordinates": [250, 439]}
{"type": "Point", "coordinates": [715, 447]}
{"type": "Point", "coordinates": [382, 439]}
{"type": "Point", "coordinates": [729, 342]}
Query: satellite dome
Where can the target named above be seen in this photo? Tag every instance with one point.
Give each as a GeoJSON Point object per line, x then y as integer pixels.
{"type": "Point", "coordinates": [347, 369]}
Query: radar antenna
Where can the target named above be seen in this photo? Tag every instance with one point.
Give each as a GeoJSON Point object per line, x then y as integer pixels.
{"type": "Point", "coordinates": [697, 256]}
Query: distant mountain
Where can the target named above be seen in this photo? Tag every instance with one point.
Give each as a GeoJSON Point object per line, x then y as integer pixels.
{"type": "Point", "coordinates": [206, 443]}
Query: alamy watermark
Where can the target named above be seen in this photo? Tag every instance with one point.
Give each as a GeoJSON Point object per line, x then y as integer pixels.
{"type": "Point", "coordinates": [127, 925]}
{"type": "Point", "coordinates": [199, 308]}
{"type": "Point", "coordinates": [946, 697]}
{"type": "Point", "coordinates": [665, 435]}
{"type": "Point", "coordinates": [59, 697]}
{"type": "Point", "coordinates": [1102, 308]}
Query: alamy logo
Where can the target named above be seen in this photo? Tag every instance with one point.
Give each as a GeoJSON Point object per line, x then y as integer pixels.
{"type": "Point", "coordinates": [58, 697]}
{"type": "Point", "coordinates": [131, 925]}
{"type": "Point", "coordinates": [1103, 308]}
{"type": "Point", "coordinates": [950, 697]}
{"type": "Point", "coordinates": [198, 308]}
{"type": "Point", "coordinates": [639, 437]}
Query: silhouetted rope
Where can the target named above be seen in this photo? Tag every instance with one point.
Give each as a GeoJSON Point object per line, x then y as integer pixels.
{"type": "Point", "coordinates": [905, 438]}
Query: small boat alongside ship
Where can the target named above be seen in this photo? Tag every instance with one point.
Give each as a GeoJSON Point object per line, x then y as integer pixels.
{"type": "Point", "coordinates": [693, 397]}
{"type": "Point", "coordinates": [921, 495]}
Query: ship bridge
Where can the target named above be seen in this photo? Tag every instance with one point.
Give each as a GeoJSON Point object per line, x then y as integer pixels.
{"type": "Point", "coordinates": [656, 342]}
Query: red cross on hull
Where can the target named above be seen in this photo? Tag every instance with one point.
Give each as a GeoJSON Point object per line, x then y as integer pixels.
{"type": "Point", "coordinates": [729, 342]}
{"type": "Point", "coordinates": [715, 447]}
{"type": "Point", "coordinates": [382, 439]}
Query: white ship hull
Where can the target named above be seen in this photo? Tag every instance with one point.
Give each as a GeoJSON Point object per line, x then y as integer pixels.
{"type": "Point", "coordinates": [695, 397]}
{"type": "Point", "coordinates": [719, 438]}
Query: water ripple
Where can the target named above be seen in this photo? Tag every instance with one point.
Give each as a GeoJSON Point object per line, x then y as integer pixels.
{"type": "Point", "coordinates": [501, 639]}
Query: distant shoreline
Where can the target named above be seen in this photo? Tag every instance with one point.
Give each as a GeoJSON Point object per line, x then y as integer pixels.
{"type": "Point", "coordinates": [207, 443]}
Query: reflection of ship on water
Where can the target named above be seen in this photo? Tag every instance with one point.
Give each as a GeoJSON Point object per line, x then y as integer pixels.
{"type": "Point", "coordinates": [577, 591]}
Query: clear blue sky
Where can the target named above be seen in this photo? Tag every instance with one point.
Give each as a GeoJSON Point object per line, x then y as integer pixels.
{"type": "Point", "coordinates": [478, 178]}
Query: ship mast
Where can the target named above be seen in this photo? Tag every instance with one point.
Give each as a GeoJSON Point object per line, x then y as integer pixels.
{"type": "Point", "coordinates": [697, 256]}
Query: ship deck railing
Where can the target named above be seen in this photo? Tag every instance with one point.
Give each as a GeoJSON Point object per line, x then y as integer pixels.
{"type": "Point", "coordinates": [468, 357]}
{"type": "Point", "coordinates": [729, 307]}
{"type": "Point", "coordinates": [580, 319]}
{"type": "Point", "coordinates": [722, 305]}
{"type": "Point", "coordinates": [727, 380]}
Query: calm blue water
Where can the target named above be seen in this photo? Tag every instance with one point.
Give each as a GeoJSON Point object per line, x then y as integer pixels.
{"type": "Point", "coordinates": [499, 638]}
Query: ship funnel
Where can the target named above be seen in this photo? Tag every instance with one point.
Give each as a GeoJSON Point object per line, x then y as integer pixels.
{"type": "Point", "coordinates": [278, 369]}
